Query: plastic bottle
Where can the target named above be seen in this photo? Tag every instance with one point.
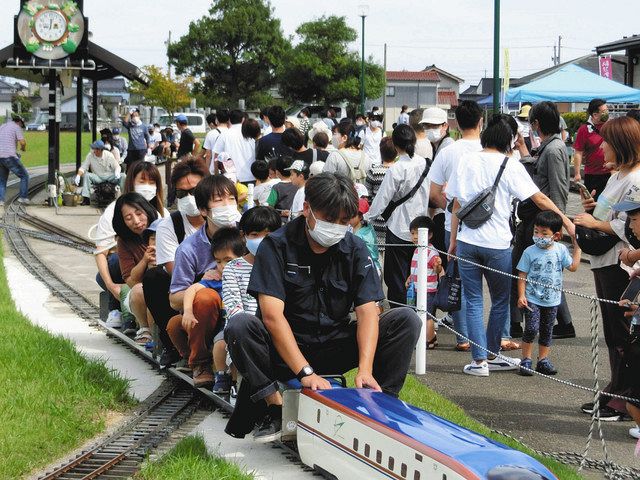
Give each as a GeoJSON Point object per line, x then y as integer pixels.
{"type": "Point", "coordinates": [250, 201]}
{"type": "Point", "coordinates": [411, 294]}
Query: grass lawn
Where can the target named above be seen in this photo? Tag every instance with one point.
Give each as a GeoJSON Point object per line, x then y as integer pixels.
{"type": "Point", "coordinates": [188, 460]}
{"type": "Point", "coordinates": [52, 399]}
{"type": "Point", "coordinates": [38, 148]}
{"type": "Point", "coordinates": [421, 396]}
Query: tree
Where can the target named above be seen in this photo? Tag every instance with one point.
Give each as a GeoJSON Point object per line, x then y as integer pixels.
{"type": "Point", "coordinates": [21, 104]}
{"type": "Point", "coordinates": [163, 91]}
{"type": "Point", "coordinates": [321, 69]}
{"type": "Point", "coordinates": [233, 52]}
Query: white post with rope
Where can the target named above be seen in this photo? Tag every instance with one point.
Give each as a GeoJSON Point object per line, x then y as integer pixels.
{"type": "Point", "coordinates": [421, 299]}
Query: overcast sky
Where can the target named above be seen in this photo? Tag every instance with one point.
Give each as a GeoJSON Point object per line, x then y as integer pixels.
{"type": "Point", "coordinates": [456, 35]}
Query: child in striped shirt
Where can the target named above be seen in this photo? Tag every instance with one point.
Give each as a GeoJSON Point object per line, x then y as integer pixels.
{"type": "Point", "coordinates": [255, 224]}
{"type": "Point", "coordinates": [434, 268]}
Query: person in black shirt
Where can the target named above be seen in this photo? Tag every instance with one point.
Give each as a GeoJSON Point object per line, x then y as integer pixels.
{"type": "Point", "coordinates": [307, 278]}
{"type": "Point", "coordinates": [294, 139]}
{"type": "Point", "coordinates": [271, 146]}
{"type": "Point", "coordinates": [189, 145]}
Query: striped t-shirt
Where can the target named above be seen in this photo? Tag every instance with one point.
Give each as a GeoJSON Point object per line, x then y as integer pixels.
{"type": "Point", "coordinates": [10, 134]}
{"type": "Point", "coordinates": [432, 277]}
{"type": "Point", "coordinates": [235, 280]}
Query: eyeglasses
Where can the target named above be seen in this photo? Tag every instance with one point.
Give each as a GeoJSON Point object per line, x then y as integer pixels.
{"type": "Point", "coordinates": [184, 193]}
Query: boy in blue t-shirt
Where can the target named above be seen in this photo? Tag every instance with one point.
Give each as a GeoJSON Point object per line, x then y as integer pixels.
{"type": "Point", "coordinates": [542, 262]}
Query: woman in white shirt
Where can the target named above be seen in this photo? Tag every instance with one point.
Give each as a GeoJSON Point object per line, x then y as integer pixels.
{"type": "Point", "coordinates": [399, 180]}
{"type": "Point", "coordinates": [349, 159]}
{"type": "Point", "coordinates": [490, 244]}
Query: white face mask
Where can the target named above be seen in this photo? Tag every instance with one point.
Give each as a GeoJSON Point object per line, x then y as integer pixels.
{"type": "Point", "coordinates": [136, 120]}
{"type": "Point", "coordinates": [325, 233]}
{"type": "Point", "coordinates": [253, 244]}
{"type": "Point", "coordinates": [187, 205]}
{"type": "Point", "coordinates": [116, 137]}
{"type": "Point", "coordinates": [376, 124]}
{"type": "Point", "coordinates": [359, 123]}
{"type": "Point", "coordinates": [147, 191]}
{"type": "Point", "coordinates": [336, 140]}
{"type": "Point", "coordinates": [513, 143]}
{"type": "Point", "coordinates": [434, 134]}
{"type": "Point", "coordinates": [226, 216]}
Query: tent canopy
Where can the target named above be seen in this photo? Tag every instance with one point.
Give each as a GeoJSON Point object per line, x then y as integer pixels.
{"type": "Point", "coordinates": [572, 83]}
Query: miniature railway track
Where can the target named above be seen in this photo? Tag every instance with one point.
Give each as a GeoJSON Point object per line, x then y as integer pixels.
{"type": "Point", "coordinates": [120, 454]}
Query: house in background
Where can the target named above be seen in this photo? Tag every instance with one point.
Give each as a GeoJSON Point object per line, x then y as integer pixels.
{"type": "Point", "coordinates": [418, 89]}
{"type": "Point", "coordinates": [628, 62]}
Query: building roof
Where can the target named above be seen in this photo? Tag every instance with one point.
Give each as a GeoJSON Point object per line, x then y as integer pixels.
{"type": "Point", "coordinates": [407, 76]}
{"type": "Point", "coordinates": [443, 73]}
{"type": "Point", "coordinates": [623, 44]}
{"type": "Point", "coordinates": [447, 97]}
{"type": "Point", "coordinates": [112, 85]}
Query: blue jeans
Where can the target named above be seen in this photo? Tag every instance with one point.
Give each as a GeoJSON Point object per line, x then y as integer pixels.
{"type": "Point", "coordinates": [459, 317]}
{"type": "Point", "coordinates": [116, 276]}
{"type": "Point", "coordinates": [13, 164]}
{"type": "Point", "coordinates": [499, 290]}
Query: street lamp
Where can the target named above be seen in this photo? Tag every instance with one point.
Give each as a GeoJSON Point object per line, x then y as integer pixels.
{"type": "Point", "coordinates": [363, 11]}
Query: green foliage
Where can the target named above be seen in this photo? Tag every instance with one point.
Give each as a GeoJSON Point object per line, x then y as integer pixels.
{"type": "Point", "coordinates": [163, 91]}
{"type": "Point", "coordinates": [54, 398]}
{"type": "Point", "coordinates": [21, 104]}
{"type": "Point", "coordinates": [190, 459]}
{"type": "Point", "coordinates": [232, 52]}
{"type": "Point", "coordinates": [574, 120]}
{"type": "Point", "coordinates": [321, 69]}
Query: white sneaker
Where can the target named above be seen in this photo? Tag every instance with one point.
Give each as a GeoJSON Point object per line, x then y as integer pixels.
{"type": "Point", "coordinates": [114, 319]}
{"type": "Point", "coordinates": [1, 203]}
{"type": "Point", "coordinates": [498, 364]}
{"type": "Point", "coordinates": [479, 370]}
{"type": "Point", "coordinates": [635, 432]}
{"type": "Point", "coordinates": [24, 201]}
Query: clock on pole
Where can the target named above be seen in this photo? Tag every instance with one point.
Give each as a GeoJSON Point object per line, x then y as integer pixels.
{"type": "Point", "coordinates": [51, 29]}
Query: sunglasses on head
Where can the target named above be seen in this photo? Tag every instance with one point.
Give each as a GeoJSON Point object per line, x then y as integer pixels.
{"type": "Point", "coordinates": [184, 193]}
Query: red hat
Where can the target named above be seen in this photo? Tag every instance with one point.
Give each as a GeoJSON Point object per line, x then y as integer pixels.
{"type": "Point", "coordinates": [363, 206]}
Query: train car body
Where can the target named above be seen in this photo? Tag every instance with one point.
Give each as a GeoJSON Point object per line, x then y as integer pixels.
{"type": "Point", "coordinates": [356, 433]}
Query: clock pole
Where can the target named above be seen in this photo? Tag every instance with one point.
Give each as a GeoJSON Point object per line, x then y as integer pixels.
{"type": "Point", "coordinates": [51, 178]}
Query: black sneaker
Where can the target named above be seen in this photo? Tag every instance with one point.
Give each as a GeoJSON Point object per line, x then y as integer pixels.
{"type": "Point", "coordinates": [169, 357]}
{"type": "Point", "coordinates": [270, 428]}
{"type": "Point", "coordinates": [608, 414]}
{"type": "Point", "coordinates": [545, 367]}
{"type": "Point", "coordinates": [516, 330]}
{"type": "Point", "coordinates": [587, 407]}
{"type": "Point", "coordinates": [564, 331]}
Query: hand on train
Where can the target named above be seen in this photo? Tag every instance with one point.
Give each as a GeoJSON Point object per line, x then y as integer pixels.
{"type": "Point", "coordinates": [366, 380]}
{"type": "Point", "coordinates": [315, 382]}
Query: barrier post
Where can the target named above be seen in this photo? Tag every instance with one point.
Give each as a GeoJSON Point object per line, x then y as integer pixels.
{"type": "Point", "coordinates": [421, 300]}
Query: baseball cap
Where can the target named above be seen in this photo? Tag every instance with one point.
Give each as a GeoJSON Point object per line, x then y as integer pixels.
{"type": "Point", "coordinates": [297, 165]}
{"type": "Point", "coordinates": [116, 131]}
{"type": "Point", "coordinates": [434, 116]}
{"type": "Point", "coordinates": [181, 118]}
{"type": "Point", "coordinates": [630, 202]}
{"type": "Point", "coordinates": [151, 229]}
{"type": "Point", "coordinates": [524, 111]}
{"type": "Point", "coordinates": [363, 206]}
{"type": "Point", "coordinates": [97, 145]}
{"type": "Point", "coordinates": [316, 168]}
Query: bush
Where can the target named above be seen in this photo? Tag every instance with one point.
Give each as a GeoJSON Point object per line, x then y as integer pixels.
{"type": "Point", "coordinates": [574, 120]}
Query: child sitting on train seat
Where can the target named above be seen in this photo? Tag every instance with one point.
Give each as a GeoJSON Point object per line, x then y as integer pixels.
{"type": "Point", "coordinates": [255, 224]}
{"type": "Point", "coordinates": [542, 262]}
{"type": "Point", "coordinates": [363, 229]}
{"type": "Point", "coordinates": [434, 269]}
{"type": "Point", "coordinates": [226, 244]}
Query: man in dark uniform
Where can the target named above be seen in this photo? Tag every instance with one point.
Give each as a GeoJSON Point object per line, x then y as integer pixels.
{"type": "Point", "coordinates": [307, 277]}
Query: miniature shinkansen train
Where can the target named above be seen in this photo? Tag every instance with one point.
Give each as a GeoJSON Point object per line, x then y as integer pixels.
{"type": "Point", "coordinates": [352, 434]}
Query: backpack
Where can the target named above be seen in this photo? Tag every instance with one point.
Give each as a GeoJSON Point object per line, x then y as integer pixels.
{"type": "Point", "coordinates": [358, 173]}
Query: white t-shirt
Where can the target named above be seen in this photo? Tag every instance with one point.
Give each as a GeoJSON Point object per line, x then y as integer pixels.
{"type": "Point", "coordinates": [297, 205]}
{"type": "Point", "coordinates": [337, 162]}
{"type": "Point", "coordinates": [241, 150]}
{"type": "Point", "coordinates": [445, 163]}
{"type": "Point", "coordinates": [167, 240]}
{"type": "Point", "coordinates": [261, 192]}
{"type": "Point", "coordinates": [477, 171]}
{"type": "Point", "coordinates": [211, 137]}
{"type": "Point", "coordinates": [372, 146]}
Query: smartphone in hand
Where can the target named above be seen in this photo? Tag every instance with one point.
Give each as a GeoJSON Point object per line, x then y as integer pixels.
{"type": "Point", "coordinates": [584, 191]}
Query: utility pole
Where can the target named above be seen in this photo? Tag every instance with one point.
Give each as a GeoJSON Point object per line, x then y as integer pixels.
{"type": "Point", "coordinates": [555, 57]}
{"type": "Point", "coordinates": [496, 56]}
{"type": "Point", "coordinates": [384, 96]}
{"type": "Point", "coordinates": [167, 44]}
{"type": "Point", "coordinates": [559, 47]}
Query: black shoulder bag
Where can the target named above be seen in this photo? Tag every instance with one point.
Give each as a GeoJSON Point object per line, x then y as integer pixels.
{"type": "Point", "coordinates": [395, 204]}
{"type": "Point", "coordinates": [476, 213]}
{"type": "Point", "coordinates": [178, 226]}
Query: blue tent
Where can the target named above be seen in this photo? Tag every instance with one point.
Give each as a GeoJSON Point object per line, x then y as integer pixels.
{"type": "Point", "coordinates": [572, 83]}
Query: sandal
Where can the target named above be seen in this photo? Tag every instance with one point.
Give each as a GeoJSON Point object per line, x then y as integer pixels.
{"type": "Point", "coordinates": [463, 347]}
{"type": "Point", "coordinates": [143, 336]}
{"type": "Point", "coordinates": [433, 343]}
{"type": "Point", "coordinates": [509, 345]}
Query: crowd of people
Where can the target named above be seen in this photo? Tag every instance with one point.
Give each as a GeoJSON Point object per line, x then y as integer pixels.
{"type": "Point", "coordinates": [286, 231]}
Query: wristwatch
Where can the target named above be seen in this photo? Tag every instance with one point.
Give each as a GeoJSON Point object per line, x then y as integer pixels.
{"type": "Point", "coordinates": [305, 372]}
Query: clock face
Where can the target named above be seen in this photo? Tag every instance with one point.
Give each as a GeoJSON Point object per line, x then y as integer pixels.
{"type": "Point", "coordinates": [50, 25]}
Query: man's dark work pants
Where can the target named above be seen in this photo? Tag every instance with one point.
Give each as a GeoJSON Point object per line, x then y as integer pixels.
{"type": "Point", "coordinates": [397, 265]}
{"type": "Point", "coordinates": [155, 285]}
{"type": "Point", "coordinates": [255, 356]}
